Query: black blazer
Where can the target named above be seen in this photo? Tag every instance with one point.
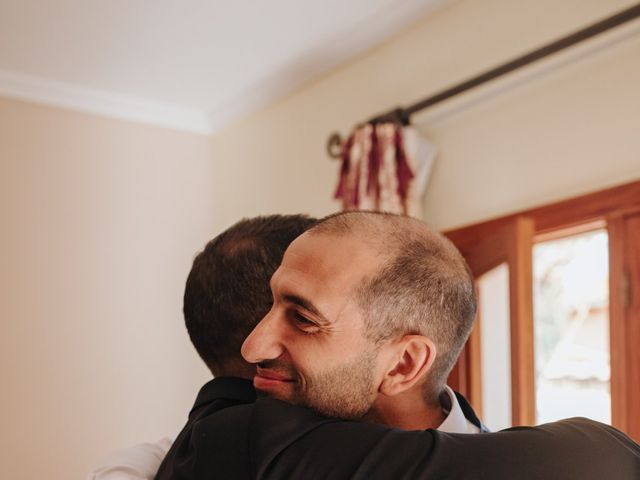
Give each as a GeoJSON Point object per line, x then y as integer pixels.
{"type": "Point", "coordinates": [180, 463]}
{"type": "Point", "coordinates": [270, 439]}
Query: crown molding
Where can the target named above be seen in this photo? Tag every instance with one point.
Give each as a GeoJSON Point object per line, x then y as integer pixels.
{"type": "Point", "coordinates": [108, 104]}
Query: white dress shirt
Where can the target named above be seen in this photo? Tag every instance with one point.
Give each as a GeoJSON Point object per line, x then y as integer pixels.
{"type": "Point", "coordinates": [140, 462]}
{"type": "Point", "coordinates": [455, 422]}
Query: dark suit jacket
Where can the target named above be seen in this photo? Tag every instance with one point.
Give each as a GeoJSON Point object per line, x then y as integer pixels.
{"type": "Point", "coordinates": [180, 463]}
{"type": "Point", "coordinates": [274, 440]}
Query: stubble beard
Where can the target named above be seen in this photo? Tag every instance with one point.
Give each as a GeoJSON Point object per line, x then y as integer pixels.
{"type": "Point", "coordinates": [346, 391]}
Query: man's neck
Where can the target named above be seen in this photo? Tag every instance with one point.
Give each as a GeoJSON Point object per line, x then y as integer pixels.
{"type": "Point", "coordinates": [408, 411]}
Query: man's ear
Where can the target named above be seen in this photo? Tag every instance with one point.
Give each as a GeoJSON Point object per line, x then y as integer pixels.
{"type": "Point", "coordinates": [414, 357]}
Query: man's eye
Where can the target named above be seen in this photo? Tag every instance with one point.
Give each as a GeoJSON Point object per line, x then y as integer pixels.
{"type": "Point", "coordinates": [304, 323]}
{"type": "Point", "coordinates": [302, 320]}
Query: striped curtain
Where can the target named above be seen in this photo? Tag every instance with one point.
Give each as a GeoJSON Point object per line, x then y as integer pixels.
{"type": "Point", "coordinates": [385, 167]}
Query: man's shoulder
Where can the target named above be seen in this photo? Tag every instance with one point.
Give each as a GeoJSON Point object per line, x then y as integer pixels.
{"type": "Point", "coordinates": [280, 440]}
{"type": "Point", "coordinates": [273, 439]}
{"type": "Point", "coordinates": [571, 448]}
{"type": "Point", "coordinates": [283, 441]}
{"type": "Point", "coordinates": [218, 443]}
{"type": "Point", "coordinates": [203, 430]}
{"type": "Point", "coordinates": [240, 441]}
{"type": "Point", "coordinates": [222, 392]}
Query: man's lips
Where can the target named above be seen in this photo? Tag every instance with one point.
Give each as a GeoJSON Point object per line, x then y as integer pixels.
{"type": "Point", "coordinates": [268, 379]}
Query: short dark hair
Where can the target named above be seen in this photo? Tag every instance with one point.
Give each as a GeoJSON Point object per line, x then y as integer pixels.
{"type": "Point", "coordinates": [423, 286]}
{"type": "Point", "coordinates": [227, 292]}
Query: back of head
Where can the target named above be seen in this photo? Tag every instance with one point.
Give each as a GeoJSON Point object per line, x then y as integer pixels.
{"type": "Point", "coordinates": [227, 292]}
{"type": "Point", "coordinates": [423, 286]}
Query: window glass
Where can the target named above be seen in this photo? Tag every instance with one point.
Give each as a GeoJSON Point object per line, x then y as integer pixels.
{"type": "Point", "coordinates": [571, 326]}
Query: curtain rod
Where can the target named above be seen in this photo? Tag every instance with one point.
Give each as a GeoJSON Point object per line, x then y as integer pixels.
{"type": "Point", "coordinates": [402, 115]}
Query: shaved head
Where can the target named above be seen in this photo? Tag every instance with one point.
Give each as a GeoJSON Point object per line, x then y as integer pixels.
{"type": "Point", "coordinates": [422, 285]}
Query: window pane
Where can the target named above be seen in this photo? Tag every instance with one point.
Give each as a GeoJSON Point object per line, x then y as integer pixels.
{"type": "Point", "coordinates": [571, 324]}
{"type": "Point", "coordinates": [495, 340]}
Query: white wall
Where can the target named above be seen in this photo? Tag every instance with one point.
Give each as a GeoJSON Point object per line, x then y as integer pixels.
{"type": "Point", "coordinates": [567, 131]}
{"type": "Point", "coordinates": [100, 221]}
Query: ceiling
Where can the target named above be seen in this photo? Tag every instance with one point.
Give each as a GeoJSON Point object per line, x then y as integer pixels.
{"type": "Point", "coordinates": [195, 65]}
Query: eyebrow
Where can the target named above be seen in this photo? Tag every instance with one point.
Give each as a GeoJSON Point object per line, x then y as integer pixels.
{"type": "Point", "coordinates": [307, 305]}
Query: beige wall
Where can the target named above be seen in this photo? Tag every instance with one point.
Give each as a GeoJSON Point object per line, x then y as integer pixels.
{"type": "Point", "coordinates": [100, 221]}
{"type": "Point", "coordinates": [101, 218]}
{"type": "Point", "coordinates": [547, 134]}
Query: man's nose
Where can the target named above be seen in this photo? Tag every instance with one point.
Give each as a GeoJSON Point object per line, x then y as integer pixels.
{"type": "Point", "coordinates": [264, 342]}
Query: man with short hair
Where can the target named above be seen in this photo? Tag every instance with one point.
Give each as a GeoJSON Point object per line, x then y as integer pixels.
{"type": "Point", "coordinates": [227, 291]}
{"type": "Point", "coordinates": [363, 305]}
{"type": "Point", "coordinates": [370, 313]}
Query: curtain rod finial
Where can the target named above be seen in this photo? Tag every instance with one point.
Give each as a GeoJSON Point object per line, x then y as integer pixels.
{"type": "Point", "coordinates": [334, 145]}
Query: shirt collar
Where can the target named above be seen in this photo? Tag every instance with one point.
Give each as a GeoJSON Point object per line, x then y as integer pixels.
{"type": "Point", "coordinates": [234, 389]}
{"type": "Point", "coordinates": [455, 422]}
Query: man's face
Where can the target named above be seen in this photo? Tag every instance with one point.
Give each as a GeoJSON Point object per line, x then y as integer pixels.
{"type": "Point", "coordinates": [310, 348]}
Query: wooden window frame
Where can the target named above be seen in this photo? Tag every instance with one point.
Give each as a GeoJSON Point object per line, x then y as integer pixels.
{"type": "Point", "coordinates": [604, 208]}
